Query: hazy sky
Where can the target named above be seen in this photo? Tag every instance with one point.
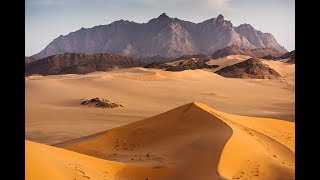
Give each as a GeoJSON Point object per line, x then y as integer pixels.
{"type": "Point", "coordinates": [47, 19]}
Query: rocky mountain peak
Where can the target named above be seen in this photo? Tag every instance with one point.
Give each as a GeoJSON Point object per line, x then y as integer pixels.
{"type": "Point", "coordinates": [163, 15]}
{"type": "Point", "coordinates": [245, 25]}
{"type": "Point", "coordinates": [220, 17]}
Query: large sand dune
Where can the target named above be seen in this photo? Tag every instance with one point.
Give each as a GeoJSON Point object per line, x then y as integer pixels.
{"type": "Point", "coordinates": [192, 141]}
{"type": "Point", "coordinates": [54, 113]}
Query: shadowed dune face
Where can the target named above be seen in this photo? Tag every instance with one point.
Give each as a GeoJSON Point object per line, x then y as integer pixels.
{"type": "Point", "coordinates": [182, 138]}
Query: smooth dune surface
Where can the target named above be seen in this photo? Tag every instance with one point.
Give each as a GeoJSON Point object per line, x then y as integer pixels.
{"type": "Point", "coordinates": [54, 113]}
{"type": "Point", "coordinates": [192, 141]}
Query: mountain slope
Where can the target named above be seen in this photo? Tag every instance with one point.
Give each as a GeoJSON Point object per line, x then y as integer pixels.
{"type": "Point", "coordinates": [76, 63]}
{"type": "Point", "coordinates": [258, 38]}
{"type": "Point", "coordinates": [164, 36]}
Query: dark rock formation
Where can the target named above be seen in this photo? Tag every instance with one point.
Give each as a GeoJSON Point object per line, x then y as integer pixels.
{"type": "Point", "coordinates": [100, 103]}
{"type": "Point", "coordinates": [249, 69]}
{"type": "Point", "coordinates": [75, 63]}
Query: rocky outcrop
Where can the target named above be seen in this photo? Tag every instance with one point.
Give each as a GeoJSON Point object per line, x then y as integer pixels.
{"type": "Point", "coordinates": [100, 103]}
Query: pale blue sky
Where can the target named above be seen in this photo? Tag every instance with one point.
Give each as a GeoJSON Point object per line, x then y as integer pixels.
{"type": "Point", "coordinates": [47, 19]}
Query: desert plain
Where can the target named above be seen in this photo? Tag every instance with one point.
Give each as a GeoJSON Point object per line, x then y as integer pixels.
{"type": "Point", "coordinates": [192, 124]}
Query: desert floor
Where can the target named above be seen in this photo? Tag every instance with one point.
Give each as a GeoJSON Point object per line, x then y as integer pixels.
{"type": "Point", "coordinates": [192, 124]}
{"type": "Point", "coordinates": [54, 113]}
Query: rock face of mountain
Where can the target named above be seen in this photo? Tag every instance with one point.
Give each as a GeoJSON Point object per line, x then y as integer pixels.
{"type": "Point", "coordinates": [249, 69]}
{"type": "Point", "coordinates": [164, 36]}
{"type": "Point", "coordinates": [193, 63]}
{"type": "Point", "coordinates": [236, 50]}
{"type": "Point", "coordinates": [258, 38]}
{"type": "Point", "coordinates": [75, 63]}
{"type": "Point", "coordinates": [29, 60]}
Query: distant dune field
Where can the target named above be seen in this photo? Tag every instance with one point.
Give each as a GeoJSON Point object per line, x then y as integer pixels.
{"type": "Point", "coordinates": [54, 113]}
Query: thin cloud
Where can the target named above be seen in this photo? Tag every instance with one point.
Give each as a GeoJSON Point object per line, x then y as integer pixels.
{"type": "Point", "coordinates": [224, 5]}
{"type": "Point", "coordinates": [218, 4]}
{"type": "Point", "coordinates": [47, 2]}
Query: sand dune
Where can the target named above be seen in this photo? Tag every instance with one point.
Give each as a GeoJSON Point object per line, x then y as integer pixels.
{"type": "Point", "coordinates": [51, 163]}
{"type": "Point", "coordinates": [284, 69]}
{"type": "Point", "coordinates": [192, 141]}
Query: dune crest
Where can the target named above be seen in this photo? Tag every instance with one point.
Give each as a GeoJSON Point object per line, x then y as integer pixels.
{"type": "Point", "coordinates": [192, 141]}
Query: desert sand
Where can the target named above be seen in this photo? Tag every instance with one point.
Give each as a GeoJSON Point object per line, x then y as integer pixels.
{"type": "Point", "coordinates": [54, 113]}
{"type": "Point", "coordinates": [242, 129]}
{"type": "Point", "coordinates": [193, 141]}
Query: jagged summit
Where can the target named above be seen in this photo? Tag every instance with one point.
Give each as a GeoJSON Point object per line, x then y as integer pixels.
{"type": "Point", "coordinates": [164, 15]}
{"type": "Point", "coordinates": [220, 17]}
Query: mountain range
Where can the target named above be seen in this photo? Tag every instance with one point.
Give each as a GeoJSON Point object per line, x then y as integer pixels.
{"type": "Point", "coordinates": [164, 36]}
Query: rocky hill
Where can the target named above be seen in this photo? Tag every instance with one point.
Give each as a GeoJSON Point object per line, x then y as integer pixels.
{"type": "Point", "coordinates": [236, 50]}
{"type": "Point", "coordinates": [249, 69]}
{"type": "Point", "coordinates": [76, 63]}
